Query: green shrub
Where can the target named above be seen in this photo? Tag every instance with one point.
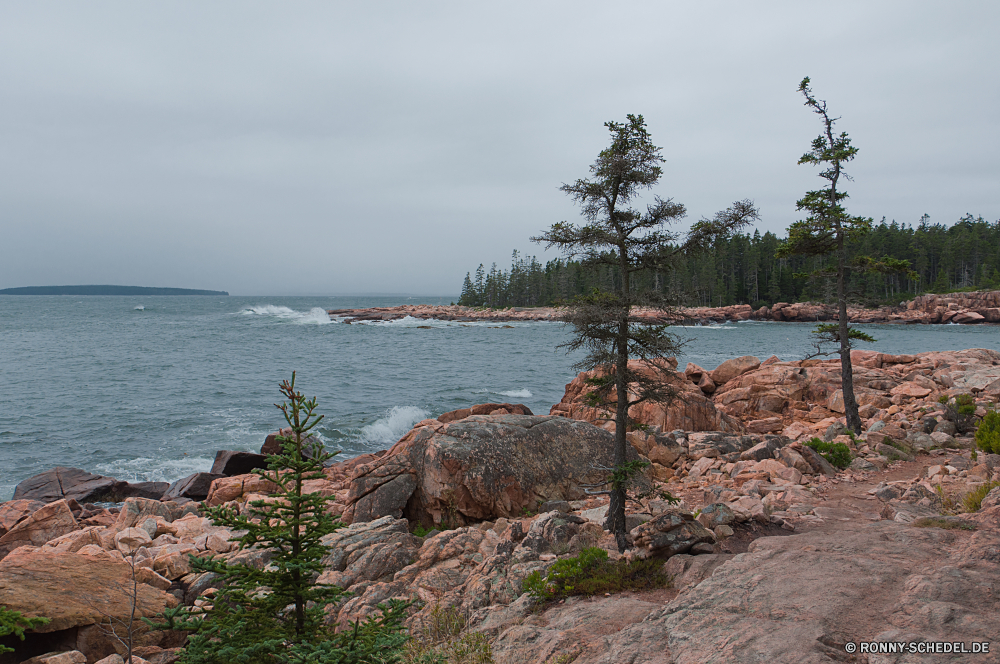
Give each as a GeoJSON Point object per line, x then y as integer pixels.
{"type": "Point", "coordinates": [973, 500]}
{"type": "Point", "coordinates": [961, 410]}
{"type": "Point", "coordinates": [838, 454]}
{"type": "Point", "coordinates": [988, 435]}
{"type": "Point", "coordinates": [13, 622]}
{"type": "Point", "coordinates": [591, 573]}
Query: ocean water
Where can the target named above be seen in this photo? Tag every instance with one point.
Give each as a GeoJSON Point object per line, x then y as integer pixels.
{"type": "Point", "coordinates": [150, 388]}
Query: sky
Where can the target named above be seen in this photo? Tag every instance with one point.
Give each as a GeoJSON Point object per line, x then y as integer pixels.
{"type": "Point", "coordinates": [269, 148]}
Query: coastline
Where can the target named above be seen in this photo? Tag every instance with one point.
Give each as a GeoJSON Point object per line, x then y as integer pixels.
{"type": "Point", "coordinates": [980, 307]}
{"type": "Point", "coordinates": [737, 451]}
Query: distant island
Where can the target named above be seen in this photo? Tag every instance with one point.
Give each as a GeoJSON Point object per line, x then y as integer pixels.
{"type": "Point", "coordinates": [106, 290]}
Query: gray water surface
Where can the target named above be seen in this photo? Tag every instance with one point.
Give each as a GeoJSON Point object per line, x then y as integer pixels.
{"type": "Point", "coordinates": [149, 388]}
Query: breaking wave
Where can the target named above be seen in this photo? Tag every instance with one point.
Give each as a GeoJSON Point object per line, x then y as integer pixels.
{"type": "Point", "coordinates": [397, 421]}
{"type": "Point", "coordinates": [315, 316]}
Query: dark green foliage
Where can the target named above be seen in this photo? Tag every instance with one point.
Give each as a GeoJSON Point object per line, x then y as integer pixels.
{"type": "Point", "coordinates": [827, 334]}
{"type": "Point", "coordinates": [838, 454]}
{"type": "Point", "coordinates": [745, 269]}
{"type": "Point", "coordinates": [13, 622]}
{"type": "Point", "coordinates": [826, 232]}
{"type": "Point", "coordinates": [276, 614]}
{"type": "Point", "coordinates": [420, 531]}
{"type": "Point", "coordinates": [631, 241]}
{"type": "Point", "coordinates": [591, 573]}
{"type": "Point", "coordinates": [988, 434]}
{"type": "Point", "coordinates": [624, 475]}
{"type": "Point", "coordinates": [961, 409]}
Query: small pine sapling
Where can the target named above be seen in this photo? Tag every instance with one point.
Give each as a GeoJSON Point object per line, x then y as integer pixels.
{"type": "Point", "coordinates": [276, 614]}
{"type": "Point", "coordinates": [14, 622]}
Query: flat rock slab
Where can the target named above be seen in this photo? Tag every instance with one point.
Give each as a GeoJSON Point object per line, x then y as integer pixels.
{"type": "Point", "coordinates": [803, 598]}
{"type": "Point", "coordinates": [72, 589]}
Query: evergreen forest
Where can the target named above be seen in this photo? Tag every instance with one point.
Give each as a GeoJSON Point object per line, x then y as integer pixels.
{"type": "Point", "coordinates": [744, 269]}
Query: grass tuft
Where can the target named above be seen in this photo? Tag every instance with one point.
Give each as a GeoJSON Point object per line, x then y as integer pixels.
{"type": "Point", "coordinates": [973, 500]}
{"type": "Point", "coordinates": [591, 573]}
{"type": "Point", "coordinates": [442, 638]}
{"type": "Point", "coordinates": [943, 522]}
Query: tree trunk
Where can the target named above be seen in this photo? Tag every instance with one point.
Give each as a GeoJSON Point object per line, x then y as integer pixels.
{"type": "Point", "coordinates": [616, 510]}
{"type": "Point", "coordinates": [846, 370]}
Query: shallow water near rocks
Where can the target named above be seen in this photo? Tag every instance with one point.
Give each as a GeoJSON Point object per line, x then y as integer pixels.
{"type": "Point", "coordinates": [148, 388]}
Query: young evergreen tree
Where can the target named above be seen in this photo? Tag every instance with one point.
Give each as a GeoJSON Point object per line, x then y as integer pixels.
{"type": "Point", "coordinates": [14, 622]}
{"type": "Point", "coordinates": [276, 614]}
{"type": "Point", "coordinates": [828, 229]}
{"type": "Point", "coordinates": [628, 241]}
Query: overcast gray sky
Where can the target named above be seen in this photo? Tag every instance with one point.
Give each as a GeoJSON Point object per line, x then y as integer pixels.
{"type": "Point", "coordinates": [307, 147]}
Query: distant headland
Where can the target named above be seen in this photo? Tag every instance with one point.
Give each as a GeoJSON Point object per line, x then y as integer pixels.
{"type": "Point", "coordinates": [106, 290]}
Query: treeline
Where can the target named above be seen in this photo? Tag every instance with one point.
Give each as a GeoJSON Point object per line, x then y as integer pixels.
{"type": "Point", "coordinates": [743, 269]}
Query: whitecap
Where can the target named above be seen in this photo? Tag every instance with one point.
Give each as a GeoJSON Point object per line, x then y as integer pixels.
{"type": "Point", "coordinates": [140, 308]}
{"type": "Point", "coordinates": [516, 394]}
{"type": "Point", "coordinates": [315, 316]}
{"type": "Point", "coordinates": [144, 469]}
{"type": "Point", "coordinates": [397, 421]}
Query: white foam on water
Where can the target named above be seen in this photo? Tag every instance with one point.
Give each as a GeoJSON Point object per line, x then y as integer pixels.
{"type": "Point", "coordinates": [516, 394]}
{"type": "Point", "coordinates": [315, 316]}
{"type": "Point", "coordinates": [144, 469]}
{"type": "Point", "coordinates": [397, 421]}
{"type": "Point", "coordinates": [520, 394]}
{"type": "Point", "coordinates": [140, 308]}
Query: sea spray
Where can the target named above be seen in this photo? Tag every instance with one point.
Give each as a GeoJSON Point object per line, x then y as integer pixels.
{"type": "Point", "coordinates": [397, 421]}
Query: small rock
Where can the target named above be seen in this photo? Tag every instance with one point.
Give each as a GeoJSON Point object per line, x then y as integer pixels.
{"type": "Point", "coordinates": [554, 506]}
{"type": "Point", "coordinates": [862, 464]}
{"type": "Point", "coordinates": [722, 532]}
{"type": "Point", "coordinates": [71, 657]}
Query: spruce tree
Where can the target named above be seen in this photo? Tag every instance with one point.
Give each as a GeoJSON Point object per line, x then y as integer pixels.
{"type": "Point", "coordinates": [625, 242]}
{"type": "Point", "coordinates": [828, 230]}
{"type": "Point", "coordinates": [276, 614]}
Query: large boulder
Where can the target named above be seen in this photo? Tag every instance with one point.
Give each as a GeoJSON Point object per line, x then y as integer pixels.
{"type": "Point", "coordinates": [63, 482]}
{"type": "Point", "coordinates": [237, 462]}
{"type": "Point", "coordinates": [482, 467]}
{"type": "Point", "coordinates": [74, 589]}
{"type": "Point", "coordinates": [194, 487]}
{"type": "Point", "coordinates": [730, 369]}
{"type": "Point", "coordinates": [46, 523]}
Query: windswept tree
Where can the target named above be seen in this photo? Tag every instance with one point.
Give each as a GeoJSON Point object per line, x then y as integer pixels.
{"type": "Point", "coordinates": [629, 241]}
{"type": "Point", "coordinates": [828, 230]}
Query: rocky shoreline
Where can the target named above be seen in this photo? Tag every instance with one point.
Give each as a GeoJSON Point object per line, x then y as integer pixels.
{"type": "Point", "coordinates": [958, 308]}
{"type": "Point", "coordinates": [775, 554]}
